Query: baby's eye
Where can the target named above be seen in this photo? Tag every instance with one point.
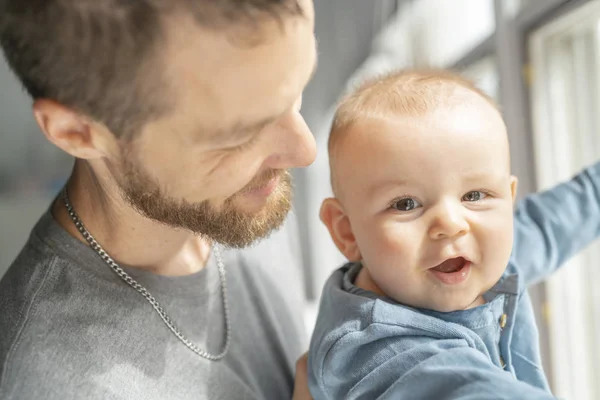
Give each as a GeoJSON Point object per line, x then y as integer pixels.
{"type": "Point", "coordinates": [475, 195]}
{"type": "Point", "coordinates": [406, 204]}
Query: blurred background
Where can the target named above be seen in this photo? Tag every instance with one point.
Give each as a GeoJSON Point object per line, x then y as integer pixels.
{"type": "Point", "coordinates": [540, 59]}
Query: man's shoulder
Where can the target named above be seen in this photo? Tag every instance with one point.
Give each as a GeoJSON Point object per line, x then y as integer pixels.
{"type": "Point", "coordinates": [21, 283]}
{"type": "Point", "coordinates": [20, 289]}
{"type": "Point", "coordinates": [26, 275]}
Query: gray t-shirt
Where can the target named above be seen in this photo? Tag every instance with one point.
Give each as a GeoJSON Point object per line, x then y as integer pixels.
{"type": "Point", "coordinates": [70, 328]}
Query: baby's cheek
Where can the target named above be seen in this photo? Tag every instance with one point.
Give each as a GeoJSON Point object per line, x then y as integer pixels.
{"type": "Point", "coordinates": [396, 281]}
{"type": "Point", "coordinates": [391, 254]}
{"type": "Point", "coordinates": [495, 244]}
{"type": "Point", "coordinates": [400, 239]}
{"type": "Point", "coordinates": [385, 245]}
{"type": "Point", "coordinates": [498, 231]}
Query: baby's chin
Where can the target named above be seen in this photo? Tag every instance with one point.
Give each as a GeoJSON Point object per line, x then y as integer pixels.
{"type": "Point", "coordinates": [453, 305]}
{"type": "Point", "coordinates": [469, 297]}
{"type": "Point", "coordinates": [479, 301]}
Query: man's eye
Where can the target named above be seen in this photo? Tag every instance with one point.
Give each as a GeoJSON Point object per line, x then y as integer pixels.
{"type": "Point", "coordinates": [247, 145]}
{"type": "Point", "coordinates": [475, 195]}
{"type": "Point", "coordinates": [406, 204]}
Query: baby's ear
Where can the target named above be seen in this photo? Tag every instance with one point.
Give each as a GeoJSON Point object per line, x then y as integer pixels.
{"type": "Point", "coordinates": [514, 183]}
{"type": "Point", "coordinates": [337, 222]}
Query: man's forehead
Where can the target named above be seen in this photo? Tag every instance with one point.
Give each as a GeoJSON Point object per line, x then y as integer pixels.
{"type": "Point", "coordinates": [227, 88]}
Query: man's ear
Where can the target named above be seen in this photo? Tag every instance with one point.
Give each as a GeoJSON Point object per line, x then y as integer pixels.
{"type": "Point", "coordinates": [69, 130]}
{"type": "Point", "coordinates": [514, 184]}
{"type": "Point", "coordinates": [337, 222]}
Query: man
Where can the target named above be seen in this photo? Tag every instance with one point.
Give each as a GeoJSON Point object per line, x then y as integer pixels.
{"type": "Point", "coordinates": [183, 117]}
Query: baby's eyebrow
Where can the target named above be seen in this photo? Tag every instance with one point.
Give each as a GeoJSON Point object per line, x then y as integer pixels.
{"type": "Point", "coordinates": [484, 176]}
{"type": "Point", "coordinates": [382, 185]}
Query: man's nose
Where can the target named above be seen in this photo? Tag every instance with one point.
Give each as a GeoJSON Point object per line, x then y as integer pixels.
{"type": "Point", "coordinates": [292, 144]}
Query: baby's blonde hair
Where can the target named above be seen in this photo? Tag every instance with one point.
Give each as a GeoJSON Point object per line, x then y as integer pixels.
{"type": "Point", "coordinates": [399, 93]}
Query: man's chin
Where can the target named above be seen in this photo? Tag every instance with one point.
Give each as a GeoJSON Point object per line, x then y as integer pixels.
{"type": "Point", "coordinates": [244, 221]}
{"type": "Point", "coordinates": [248, 228]}
{"type": "Point", "coordinates": [251, 206]}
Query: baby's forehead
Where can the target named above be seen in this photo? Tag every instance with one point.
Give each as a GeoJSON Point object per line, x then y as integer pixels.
{"type": "Point", "coordinates": [406, 103]}
{"type": "Point", "coordinates": [406, 140]}
{"type": "Point", "coordinates": [406, 116]}
{"type": "Point", "coordinates": [406, 95]}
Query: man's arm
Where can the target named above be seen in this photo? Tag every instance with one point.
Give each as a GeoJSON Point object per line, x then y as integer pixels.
{"type": "Point", "coordinates": [552, 226]}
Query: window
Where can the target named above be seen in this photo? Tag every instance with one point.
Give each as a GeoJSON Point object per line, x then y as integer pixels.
{"type": "Point", "coordinates": [484, 73]}
{"type": "Point", "coordinates": [444, 31]}
{"type": "Point", "coordinates": [565, 99]}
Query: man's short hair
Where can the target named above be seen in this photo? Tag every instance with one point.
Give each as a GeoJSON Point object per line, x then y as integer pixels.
{"type": "Point", "coordinates": [99, 56]}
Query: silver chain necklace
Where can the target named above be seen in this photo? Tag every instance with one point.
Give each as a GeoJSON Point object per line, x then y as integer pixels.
{"type": "Point", "coordinates": [142, 290]}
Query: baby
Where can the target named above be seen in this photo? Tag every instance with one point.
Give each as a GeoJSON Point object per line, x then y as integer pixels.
{"type": "Point", "coordinates": [433, 303]}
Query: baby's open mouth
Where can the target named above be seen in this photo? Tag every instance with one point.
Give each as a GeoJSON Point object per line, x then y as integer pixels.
{"type": "Point", "coordinates": [450, 266]}
{"type": "Point", "coordinates": [453, 271]}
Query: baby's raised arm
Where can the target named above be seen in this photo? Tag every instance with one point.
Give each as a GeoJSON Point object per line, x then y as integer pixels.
{"type": "Point", "coordinates": [552, 226]}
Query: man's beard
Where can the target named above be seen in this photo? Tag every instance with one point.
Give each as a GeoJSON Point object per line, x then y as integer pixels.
{"type": "Point", "coordinates": [228, 225]}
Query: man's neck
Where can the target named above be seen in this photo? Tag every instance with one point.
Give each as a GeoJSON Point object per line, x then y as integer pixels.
{"type": "Point", "coordinates": [128, 237]}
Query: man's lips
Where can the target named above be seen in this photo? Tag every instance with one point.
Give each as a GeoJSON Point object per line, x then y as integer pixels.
{"type": "Point", "coordinates": [266, 189]}
{"type": "Point", "coordinates": [263, 182]}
